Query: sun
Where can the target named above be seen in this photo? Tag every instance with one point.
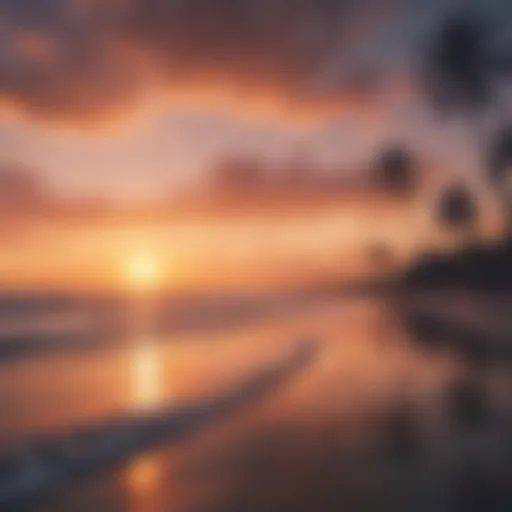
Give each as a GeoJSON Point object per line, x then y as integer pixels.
{"type": "Point", "coordinates": [143, 272]}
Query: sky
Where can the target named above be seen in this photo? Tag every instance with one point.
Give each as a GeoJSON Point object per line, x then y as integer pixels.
{"type": "Point", "coordinates": [138, 98]}
{"type": "Point", "coordinates": [166, 154]}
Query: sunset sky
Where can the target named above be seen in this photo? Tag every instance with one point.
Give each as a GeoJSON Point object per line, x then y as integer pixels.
{"type": "Point", "coordinates": [132, 97]}
{"type": "Point", "coordinates": [137, 99]}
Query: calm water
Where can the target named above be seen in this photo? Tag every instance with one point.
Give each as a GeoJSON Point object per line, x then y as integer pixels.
{"type": "Point", "coordinates": [365, 426]}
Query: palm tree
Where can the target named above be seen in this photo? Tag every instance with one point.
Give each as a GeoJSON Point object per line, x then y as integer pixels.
{"type": "Point", "coordinates": [458, 66]}
{"type": "Point", "coordinates": [457, 209]}
{"type": "Point", "coordinates": [500, 168]}
{"type": "Point", "coordinates": [464, 68]}
{"type": "Point", "coordinates": [396, 171]}
{"type": "Point", "coordinates": [500, 155]}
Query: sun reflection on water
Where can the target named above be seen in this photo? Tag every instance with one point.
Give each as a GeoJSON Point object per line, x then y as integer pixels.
{"type": "Point", "coordinates": [145, 474]}
{"type": "Point", "coordinates": [145, 480]}
{"type": "Point", "coordinates": [147, 389]}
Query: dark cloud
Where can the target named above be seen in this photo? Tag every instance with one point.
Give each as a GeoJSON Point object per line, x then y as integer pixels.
{"type": "Point", "coordinates": [88, 57]}
{"type": "Point", "coordinates": [282, 41]}
{"type": "Point", "coordinates": [85, 59]}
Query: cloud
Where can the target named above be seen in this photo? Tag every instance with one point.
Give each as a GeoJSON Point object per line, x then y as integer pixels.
{"type": "Point", "coordinates": [20, 188]}
{"type": "Point", "coordinates": [89, 59]}
{"type": "Point", "coordinates": [93, 60]}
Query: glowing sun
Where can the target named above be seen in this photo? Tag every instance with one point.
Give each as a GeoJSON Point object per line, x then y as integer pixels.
{"type": "Point", "coordinates": [143, 272]}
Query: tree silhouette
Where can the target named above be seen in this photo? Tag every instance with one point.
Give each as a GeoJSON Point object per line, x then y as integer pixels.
{"type": "Point", "coordinates": [459, 64]}
{"type": "Point", "coordinates": [500, 155]}
{"type": "Point", "coordinates": [500, 168]}
{"type": "Point", "coordinates": [457, 209]}
{"type": "Point", "coordinates": [395, 170]}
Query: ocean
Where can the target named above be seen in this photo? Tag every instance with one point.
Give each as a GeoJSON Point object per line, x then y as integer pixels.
{"type": "Point", "coordinates": [267, 403]}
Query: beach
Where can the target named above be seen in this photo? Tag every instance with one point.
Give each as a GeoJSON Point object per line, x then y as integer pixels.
{"type": "Point", "coordinates": [364, 419]}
